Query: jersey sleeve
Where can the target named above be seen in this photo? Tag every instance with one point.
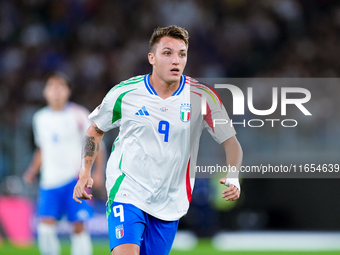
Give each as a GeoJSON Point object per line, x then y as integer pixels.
{"type": "Point", "coordinates": [216, 119]}
{"type": "Point", "coordinates": [35, 130]}
{"type": "Point", "coordinates": [109, 113]}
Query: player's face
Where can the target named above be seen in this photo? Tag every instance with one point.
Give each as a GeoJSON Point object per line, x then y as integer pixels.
{"type": "Point", "coordinates": [169, 59]}
{"type": "Point", "coordinates": [56, 92]}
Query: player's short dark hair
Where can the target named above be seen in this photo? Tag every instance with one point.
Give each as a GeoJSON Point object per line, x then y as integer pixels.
{"type": "Point", "coordinates": [171, 31]}
{"type": "Point", "coordinates": [59, 75]}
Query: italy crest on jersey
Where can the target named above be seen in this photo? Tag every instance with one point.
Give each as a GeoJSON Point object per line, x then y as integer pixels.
{"type": "Point", "coordinates": [119, 231]}
{"type": "Point", "coordinates": [185, 110]}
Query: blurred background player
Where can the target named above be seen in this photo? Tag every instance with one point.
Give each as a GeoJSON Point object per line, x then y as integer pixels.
{"type": "Point", "coordinates": [159, 117]}
{"type": "Point", "coordinates": [59, 130]}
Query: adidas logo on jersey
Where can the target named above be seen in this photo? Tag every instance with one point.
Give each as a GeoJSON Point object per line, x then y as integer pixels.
{"type": "Point", "coordinates": [142, 111]}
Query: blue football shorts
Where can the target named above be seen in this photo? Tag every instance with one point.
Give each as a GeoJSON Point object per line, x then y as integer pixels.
{"type": "Point", "coordinates": [58, 202]}
{"type": "Point", "coordinates": [129, 224]}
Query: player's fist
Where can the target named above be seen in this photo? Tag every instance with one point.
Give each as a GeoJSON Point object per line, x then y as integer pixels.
{"type": "Point", "coordinates": [29, 177]}
{"type": "Point", "coordinates": [79, 191]}
{"type": "Point", "coordinates": [233, 191]}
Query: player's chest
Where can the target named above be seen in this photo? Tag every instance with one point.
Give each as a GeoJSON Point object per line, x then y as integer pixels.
{"type": "Point", "coordinates": [57, 128]}
{"type": "Point", "coordinates": [156, 113]}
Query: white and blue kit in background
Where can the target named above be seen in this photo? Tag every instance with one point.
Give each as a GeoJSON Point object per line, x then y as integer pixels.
{"type": "Point", "coordinates": [60, 136]}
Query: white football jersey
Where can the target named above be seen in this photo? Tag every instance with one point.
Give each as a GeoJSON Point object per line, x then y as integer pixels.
{"type": "Point", "coordinates": [60, 136]}
{"type": "Point", "coordinates": [152, 156]}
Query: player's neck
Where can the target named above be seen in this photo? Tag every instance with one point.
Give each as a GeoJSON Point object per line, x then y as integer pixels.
{"type": "Point", "coordinates": [57, 107]}
{"type": "Point", "coordinates": [162, 88]}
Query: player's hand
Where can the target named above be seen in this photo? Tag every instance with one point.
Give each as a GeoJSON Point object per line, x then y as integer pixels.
{"type": "Point", "coordinates": [231, 193]}
{"type": "Point", "coordinates": [29, 177]}
{"type": "Point", "coordinates": [79, 191]}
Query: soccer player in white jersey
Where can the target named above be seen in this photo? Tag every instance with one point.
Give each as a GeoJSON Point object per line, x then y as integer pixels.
{"type": "Point", "coordinates": [160, 122]}
{"type": "Point", "coordinates": [59, 131]}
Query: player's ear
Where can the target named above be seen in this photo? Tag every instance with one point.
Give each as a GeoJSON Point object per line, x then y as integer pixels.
{"type": "Point", "coordinates": [151, 57]}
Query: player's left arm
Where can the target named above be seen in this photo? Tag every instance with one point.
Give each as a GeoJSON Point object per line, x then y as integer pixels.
{"type": "Point", "coordinates": [234, 155]}
{"type": "Point", "coordinates": [99, 167]}
{"type": "Point", "coordinates": [91, 147]}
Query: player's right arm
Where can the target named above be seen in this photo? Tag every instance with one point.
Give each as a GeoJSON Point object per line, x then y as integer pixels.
{"type": "Point", "coordinates": [93, 140]}
{"type": "Point", "coordinates": [34, 167]}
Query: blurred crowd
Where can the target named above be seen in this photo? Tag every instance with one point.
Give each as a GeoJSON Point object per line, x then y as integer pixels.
{"type": "Point", "coordinates": [98, 43]}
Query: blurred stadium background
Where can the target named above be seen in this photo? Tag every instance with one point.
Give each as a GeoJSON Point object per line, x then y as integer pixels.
{"type": "Point", "coordinates": [98, 43]}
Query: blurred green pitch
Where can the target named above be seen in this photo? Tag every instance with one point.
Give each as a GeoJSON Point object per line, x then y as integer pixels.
{"type": "Point", "coordinates": [203, 248]}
